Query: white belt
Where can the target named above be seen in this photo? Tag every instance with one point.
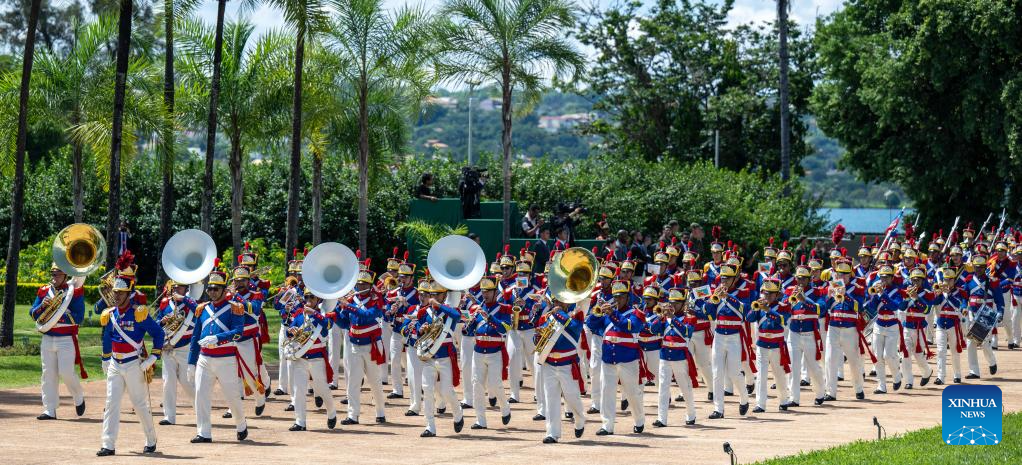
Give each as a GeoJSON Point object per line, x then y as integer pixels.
{"type": "Point", "coordinates": [356, 332]}
{"type": "Point", "coordinates": [618, 339]}
{"type": "Point", "coordinates": [489, 339]}
{"type": "Point", "coordinates": [728, 323]}
{"type": "Point", "coordinates": [843, 315]}
{"type": "Point", "coordinates": [561, 354]}
{"type": "Point", "coordinates": [253, 326]}
{"type": "Point", "coordinates": [648, 338]}
{"type": "Point", "coordinates": [675, 345]}
{"type": "Point", "coordinates": [887, 317]}
{"type": "Point", "coordinates": [124, 355]}
{"type": "Point", "coordinates": [805, 317]}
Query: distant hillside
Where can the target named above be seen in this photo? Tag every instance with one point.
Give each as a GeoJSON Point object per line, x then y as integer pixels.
{"type": "Point", "coordinates": [549, 130]}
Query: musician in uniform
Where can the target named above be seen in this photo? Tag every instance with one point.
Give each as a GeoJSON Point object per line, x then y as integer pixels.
{"type": "Point", "coordinates": [254, 376]}
{"type": "Point", "coordinates": [561, 373]}
{"type": "Point", "coordinates": [313, 363]}
{"type": "Point", "coordinates": [179, 309]}
{"type": "Point", "coordinates": [439, 369]}
{"type": "Point", "coordinates": [619, 323]}
{"type": "Point", "coordinates": [917, 301]}
{"type": "Point", "coordinates": [885, 300]}
{"type": "Point", "coordinates": [488, 325]}
{"type": "Point", "coordinates": [675, 358]}
{"type": "Point", "coordinates": [399, 300]}
{"type": "Point", "coordinates": [213, 356]}
{"type": "Point", "coordinates": [805, 344]}
{"type": "Point", "coordinates": [768, 313]}
{"type": "Point", "coordinates": [363, 314]}
{"type": "Point", "coordinates": [730, 342]}
{"type": "Point", "coordinates": [700, 344]}
{"type": "Point", "coordinates": [519, 294]}
{"type": "Point", "coordinates": [126, 363]}
{"type": "Point", "coordinates": [844, 339]}
{"type": "Point", "coordinates": [58, 349]}
{"type": "Point", "coordinates": [601, 294]}
{"type": "Point", "coordinates": [949, 303]}
{"type": "Point", "coordinates": [984, 293]}
{"type": "Point", "coordinates": [649, 341]}
{"type": "Point", "coordinates": [407, 329]}
{"type": "Point", "coordinates": [285, 307]}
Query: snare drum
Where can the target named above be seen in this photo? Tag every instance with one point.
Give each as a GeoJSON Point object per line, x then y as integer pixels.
{"type": "Point", "coordinates": [985, 321]}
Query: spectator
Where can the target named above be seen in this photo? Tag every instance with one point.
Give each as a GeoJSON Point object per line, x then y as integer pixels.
{"type": "Point", "coordinates": [803, 248]}
{"type": "Point", "coordinates": [673, 224]}
{"type": "Point", "coordinates": [622, 245]}
{"type": "Point", "coordinates": [425, 189]}
{"type": "Point", "coordinates": [639, 251]}
{"type": "Point", "coordinates": [542, 249]}
{"type": "Point", "coordinates": [696, 236]}
{"type": "Point", "coordinates": [531, 222]}
{"type": "Point", "coordinates": [470, 188]}
{"type": "Point", "coordinates": [123, 234]}
{"type": "Point", "coordinates": [566, 218]}
{"type": "Point", "coordinates": [474, 237]}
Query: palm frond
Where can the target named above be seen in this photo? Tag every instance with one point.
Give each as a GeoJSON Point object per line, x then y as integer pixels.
{"type": "Point", "coordinates": [425, 234]}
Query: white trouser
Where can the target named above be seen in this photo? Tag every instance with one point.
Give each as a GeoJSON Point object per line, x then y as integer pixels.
{"type": "Point", "coordinates": [595, 370]}
{"type": "Point", "coordinates": [520, 347]}
{"type": "Point", "coordinates": [1015, 310]}
{"type": "Point", "coordinates": [911, 336]}
{"type": "Point", "coordinates": [58, 362]}
{"type": "Point", "coordinates": [346, 353]}
{"type": "Point", "coordinates": [973, 348]}
{"type": "Point", "coordinates": [703, 355]}
{"type": "Point", "coordinates": [802, 349]}
{"type": "Point", "coordinates": [385, 334]}
{"type": "Point", "coordinates": [628, 374]}
{"type": "Point", "coordinates": [886, 345]}
{"type": "Point", "coordinates": [652, 359]}
{"type": "Point", "coordinates": [770, 358]}
{"type": "Point", "coordinates": [467, 362]}
{"type": "Point", "coordinates": [247, 352]}
{"type": "Point", "coordinates": [843, 342]}
{"type": "Point", "coordinates": [540, 393]}
{"type": "Point", "coordinates": [1008, 327]}
{"type": "Point", "coordinates": [335, 347]}
{"type": "Point", "coordinates": [414, 379]}
{"type": "Point", "coordinates": [312, 368]}
{"type": "Point", "coordinates": [678, 369]}
{"type": "Point", "coordinates": [283, 365]}
{"type": "Point", "coordinates": [175, 370]}
{"type": "Point", "coordinates": [557, 382]}
{"type": "Point", "coordinates": [397, 359]}
{"type": "Point", "coordinates": [946, 344]}
{"type": "Point", "coordinates": [438, 378]}
{"type": "Point", "coordinates": [362, 366]}
{"type": "Point", "coordinates": [120, 377]}
{"type": "Point", "coordinates": [727, 366]}
{"type": "Point", "coordinates": [486, 377]}
{"type": "Point", "coordinates": [208, 371]}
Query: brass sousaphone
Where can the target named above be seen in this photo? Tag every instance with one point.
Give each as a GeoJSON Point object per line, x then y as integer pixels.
{"type": "Point", "coordinates": [572, 279]}
{"type": "Point", "coordinates": [78, 250]}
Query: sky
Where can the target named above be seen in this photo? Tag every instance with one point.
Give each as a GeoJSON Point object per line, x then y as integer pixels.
{"type": "Point", "coordinates": [802, 11]}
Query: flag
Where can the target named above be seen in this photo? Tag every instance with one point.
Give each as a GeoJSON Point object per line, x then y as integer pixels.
{"type": "Point", "coordinates": [894, 223]}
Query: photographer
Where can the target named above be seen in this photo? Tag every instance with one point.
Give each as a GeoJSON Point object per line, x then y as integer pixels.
{"type": "Point", "coordinates": [470, 188]}
{"type": "Point", "coordinates": [531, 222]}
{"type": "Point", "coordinates": [567, 215]}
{"type": "Point", "coordinates": [425, 189]}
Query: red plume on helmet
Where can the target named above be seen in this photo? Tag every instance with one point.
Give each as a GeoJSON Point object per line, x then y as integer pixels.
{"type": "Point", "coordinates": [405, 257]}
{"type": "Point", "coordinates": [125, 260]}
{"type": "Point", "coordinates": [771, 241]}
{"type": "Point", "coordinates": [294, 253]}
{"type": "Point", "coordinates": [526, 245]}
{"type": "Point", "coordinates": [838, 234]}
{"type": "Point", "coordinates": [690, 245]}
{"type": "Point", "coordinates": [596, 250]}
{"type": "Point", "coordinates": [953, 237]}
{"type": "Point", "coordinates": [394, 255]}
{"type": "Point", "coordinates": [784, 245]}
{"type": "Point", "coordinates": [305, 252]}
{"type": "Point", "coordinates": [863, 241]}
{"type": "Point", "coordinates": [910, 232]}
{"type": "Point", "coordinates": [507, 249]}
{"type": "Point", "coordinates": [216, 263]}
{"type": "Point", "coordinates": [628, 256]}
{"type": "Point", "coordinates": [802, 259]}
{"type": "Point", "coordinates": [715, 232]}
{"type": "Point", "coordinates": [812, 253]}
{"type": "Point", "coordinates": [358, 254]}
{"type": "Point", "coordinates": [247, 246]}
{"type": "Point", "coordinates": [239, 258]}
{"type": "Point", "coordinates": [498, 256]}
{"type": "Point", "coordinates": [941, 233]}
{"type": "Point", "coordinates": [674, 240]}
{"type": "Point", "coordinates": [661, 246]}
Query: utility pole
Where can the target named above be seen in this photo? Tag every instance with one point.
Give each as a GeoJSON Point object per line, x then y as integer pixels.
{"type": "Point", "coordinates": [471, 88]}
{"type": "Point", "coordinates": [782, 32]}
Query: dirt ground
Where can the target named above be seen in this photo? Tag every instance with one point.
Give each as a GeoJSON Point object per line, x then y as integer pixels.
{"type": "Point", "coordinates": [754, 437]}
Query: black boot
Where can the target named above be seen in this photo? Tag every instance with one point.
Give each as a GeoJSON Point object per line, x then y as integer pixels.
{"type": "Point", "coordinates": [506, 419]}
{"type": "Point", "coordinates": [105, 452]}
{"type": "Point", "coordinates": [579, 431]}
{"type": "Point", "coordinates": [289, 408]}
{"type": "Point", "coordinates": [603, 432]}
{"type": "Point", "coordinates": [715, 415]}
{"type": "Point", "coordinates": [349, 421]}
{"type": "Point", "coordinates": [319, 401]}
{"type": "Point", "coordinates": [897, 385]}
{"type": "Point", "coordinates": [860, 395]}
{"type": "Point", "coordinates": [743, 409]}
{"type": "Point", "coordinates": [624, 404]}
{"type": "Point", "coordinates": [638, 429]}
{"type": "Point", "coordinates": [259, 409]}
{"type": "Point", "coordinates": [819, 401]}
{"type": "Point", "coordinates": [296, 427]}
{"type": "Point", "coordinates": [200, 439]}
{"type": "Point", "coordinates": [427, 434]}
{"type": "Point", "coordinates": [924, 381]}
{"type": "Point", "coordinates": [549, 440]}
{"type": "Point", "coordinates": [331, 423]}
{"type": "Point", "coordinates": [757, 410]}
{"type": "Point", "coordinates": [493, 401]}
{"type": "Point", "coordinates": [659, 424]}
{"type": "Point", "coordinates": [80, 408]}
{"type": "Point", "coordinates": [538, 417]}
{"type": "Point", "coordinates": [593, 410]}
{"type": "Point", "coordinates": [242, 434]}
{"type": "Point", "coordinates": [993, 369]}
{"type": "Point", "coordinates": [44, 416]}
{"type": "Point", "coordinates": [458, 425]}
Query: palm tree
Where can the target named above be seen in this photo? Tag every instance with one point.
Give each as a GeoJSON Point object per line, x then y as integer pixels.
{"type": "Point", "coordinates": [307, 17]}
{"type": "Point", "coordinates": [171, 9]}
{"type": "Point", "coordinates": [214, 95]}
{"type": "Point", "coordinates": [73, 83]}
{"type": "Point", "coordinates": [514, 43]}
{"type": "Point", "coordinates": [386, 57]}
{"type": "Point", "coordinates": [782, 33]}
{"type": "Point", "coordinates": [245, 98]}
{"type": "Point", "coordinates": [114, 199]}
{"type": "Point", "coordinates": [18, 190]}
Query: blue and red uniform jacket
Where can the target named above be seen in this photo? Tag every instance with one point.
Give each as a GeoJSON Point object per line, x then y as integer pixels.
{"type": "Point", "coordinates": [225, 320]}
{"type": "Point", "coordinates": [619, 329]}
{"type": "Point", "coordinates": [770, 326]}
{"type": "Point", "coordinates": [411, 298]}
{"type": "Point", "coordinates": [489, 332]}
{"type": "Point", "coordinates": [950, 308]}
{"type": "Point", "coordinates": [67, 325]}
{"type": "Point", "coordinates": [189, 305]}
{"type": "Point", "coordinates": [886, 306]}
{"type": "Point", "coordinates": [427, 315]}
{"type": "Point", "coordinates": [127, 344]}
{"type": "Point", "coordinates": [565, 349]}
{"type": "Point", "coordinates": [676, 333]}
{"type": "Point", "coordinates": [985, 292]}
{"type": "Point", "coordinates": [364, 321]}
{"type": "Point", "coordinates": [321, 325]}
{"type": "Point", "coordinates": [410, 322]}
{"type": "Point", "coordinates": [253, 300]}
{"type": "Point", "coordinates": [805, 318]}
{"type": "Point", "coordinates": [649, 339]}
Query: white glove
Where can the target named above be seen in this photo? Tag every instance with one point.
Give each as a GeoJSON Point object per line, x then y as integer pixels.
{"type": "Point", "coordinates": [148, 362]}
{"type": "Point", "coordinates": [106, 366]}
{"type": "Point", "coordinates": [77, 281]}
{"type": "Point", "coordinates": [191, 373]}
{"type": "Point", "coordinates": [208, 341]}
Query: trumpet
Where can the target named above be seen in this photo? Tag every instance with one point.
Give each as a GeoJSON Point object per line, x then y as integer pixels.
{"type": "Point", "coordinates": [600, 310]}
{"type": "Point", "coordinates": [876, 288]}
{"type": "Point", "coordinates": [837, 291]}
{"type": "Point", "coordinates": [718, 294]}
{"type": "Point", "coordinates": [51, 307]}
{"type": "Point", "coordinates": [913, 292]}
{"type": "Point", "coordinates": [664, 310]}
{"type": "Point", "coordinates": [760, 305]}
{"type": "Point", "coordinates": [798, 296]}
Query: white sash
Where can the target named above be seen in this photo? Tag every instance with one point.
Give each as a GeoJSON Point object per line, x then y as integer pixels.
{"type": "Point", "coordinates": [215, 317]}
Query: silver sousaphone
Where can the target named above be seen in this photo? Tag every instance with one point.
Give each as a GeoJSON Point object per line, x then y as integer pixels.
{"type": "Point", "coordinates": [456, 263]}
{"type": "Point", "coordinates": [329, 271]}
{"type": "Point", "coordinates": [187, 258]}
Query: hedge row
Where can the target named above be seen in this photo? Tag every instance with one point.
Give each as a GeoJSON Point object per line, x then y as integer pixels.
{"type": "Point", "coordinates": [27, 293]}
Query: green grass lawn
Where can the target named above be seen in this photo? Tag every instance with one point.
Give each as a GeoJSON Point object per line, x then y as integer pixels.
{"type": "Point", "coordinates": [917, 447]}
{"type": "Point", "coordinates": [19, 370]}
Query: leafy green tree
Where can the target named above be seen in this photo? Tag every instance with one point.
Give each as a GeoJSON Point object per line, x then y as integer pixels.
{"type": "Point", "coordinates": [245, 98]}
{"type": "Point", "coordinates": [515, 44]}
{"type": "Point", "coordinates": [385, 72]}
{"type": "Point", "coordinates": [54, 31]}
{"type": "Point", "coordinates": [928, 95]}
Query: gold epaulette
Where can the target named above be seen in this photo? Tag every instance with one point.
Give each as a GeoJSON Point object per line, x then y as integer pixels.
{"type": "Point", "coordinates": [104, 317]}
{"type": "Point", "coordinates": [141, 313]}
{"type": "Point", "coordinates": [237, 308]}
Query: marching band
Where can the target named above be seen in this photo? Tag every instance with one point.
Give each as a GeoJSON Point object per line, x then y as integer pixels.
{"type": "Point", "coordinates": [582, 326]}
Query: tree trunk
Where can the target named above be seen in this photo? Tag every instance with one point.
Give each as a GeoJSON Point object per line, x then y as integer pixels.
{"type": "Point", "coordinates": [363, 164]}
{"type": "Point", "coordinates": [317, 198]}
{"type": "Point", "coordinates": [114, 200]}
{"type": "Point", "coordinates": [167, 163]}
{"type": "Point", "coordinates": [76, 169]}
{"type": "Point", "coordinates": [214, 97]}
{"type": "Point", "coordinates": [295, 174]}
{"type": "Point", "coordinates": [18, 190]}
{"type": "Point", "coordinates": [782, 32]}
{"type": "Point", "coordinates": [237, 193]}
{"type": "Point", "coordinates": [505, 116]}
